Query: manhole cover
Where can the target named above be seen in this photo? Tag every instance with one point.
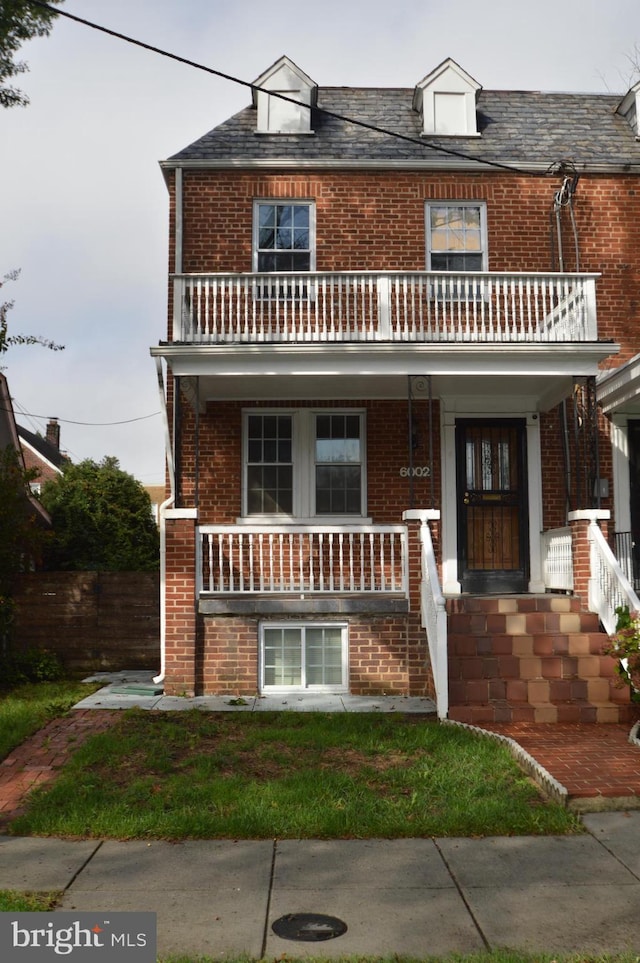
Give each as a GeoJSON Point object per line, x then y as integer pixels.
{"type": "Point", "coordinates": [308, 927]}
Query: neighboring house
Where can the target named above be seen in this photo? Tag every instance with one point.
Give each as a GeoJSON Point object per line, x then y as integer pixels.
{"type": "Point", "coordinates": [9, 437]}
{"type": "Point", "coordinates": [156, 495]}
{"type": "Point", "coordinates": [382, 358]}
{"type": "Point", "coordinates": [43, 455]}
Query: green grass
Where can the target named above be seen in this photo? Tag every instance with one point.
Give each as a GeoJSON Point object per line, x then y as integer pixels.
{"type": "Point", "coordinates": [197, 775]}
{"type": "Point", "coordinates": [14, 902]}
{"type": "Point", "coordinates": [28, 707]}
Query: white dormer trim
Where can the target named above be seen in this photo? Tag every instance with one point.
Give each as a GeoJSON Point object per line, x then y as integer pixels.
{"type": "Point", "coordinates": [629, 107]}
{"type": "Point", "coordinates": [277, 116]}
{"type": "Point", "coordinates": [446, 100]}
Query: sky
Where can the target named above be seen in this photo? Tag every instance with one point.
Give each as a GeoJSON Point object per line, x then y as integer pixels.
{"type": "Point", "coordinates": [83, 205]}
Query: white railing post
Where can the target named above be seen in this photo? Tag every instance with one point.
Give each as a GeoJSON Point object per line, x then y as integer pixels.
{"type": "Point", "coordinates": [179, 307]}
{"type": "Point", "coordinates": [384, 308]}
{"type": "Point", "coordinates": [590, 319]}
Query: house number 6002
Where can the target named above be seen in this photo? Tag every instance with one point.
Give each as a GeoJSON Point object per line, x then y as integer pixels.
{"type": "Point", "coordinates": [419, 471]}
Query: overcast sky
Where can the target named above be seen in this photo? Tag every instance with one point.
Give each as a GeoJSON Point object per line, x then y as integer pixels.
{"type": "Point", "coordinates": [83, 203]}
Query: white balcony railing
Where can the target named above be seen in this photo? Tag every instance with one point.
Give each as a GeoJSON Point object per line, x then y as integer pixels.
{"type": "Point", "coordinates": [396, 307]}
{"type": "Point", "coordinates": [303, 559]}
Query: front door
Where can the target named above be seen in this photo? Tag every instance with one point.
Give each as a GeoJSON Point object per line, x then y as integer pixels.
{"type": "Point", "coordinates": [492, 506]}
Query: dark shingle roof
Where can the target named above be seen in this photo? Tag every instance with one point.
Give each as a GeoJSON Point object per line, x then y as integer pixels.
{"type": "Point", "coordinates": [43, 447]}
{"type": "Point", "coordinates": [527, 129]}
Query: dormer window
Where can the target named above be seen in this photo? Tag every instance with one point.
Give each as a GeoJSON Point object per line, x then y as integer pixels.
{"type": "Point", "coordinates": [279, 116]}
{"type": "Point", "coordinates": [446, 100]}
{"type": "Point", "coordinates": [629, 107]}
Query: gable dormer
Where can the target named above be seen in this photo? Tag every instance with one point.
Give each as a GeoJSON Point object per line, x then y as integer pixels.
{"type": "Point", "coordinates": [629, 107]}
{"type": "Point", "coordinates": [446, 100]}
{"type": "Point", "coordinates": [277, 116]}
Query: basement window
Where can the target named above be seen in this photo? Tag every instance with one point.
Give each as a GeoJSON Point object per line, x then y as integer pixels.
{"type": "Point", "coordinates": [298, 656]}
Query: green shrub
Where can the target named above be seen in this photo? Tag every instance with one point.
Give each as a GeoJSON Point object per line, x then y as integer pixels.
{"type": "Point", "coordinates": [30, 665]}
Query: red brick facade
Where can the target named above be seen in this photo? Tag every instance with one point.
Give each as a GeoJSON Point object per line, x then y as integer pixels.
{"type": "Point", "coordinates": [368, 221]}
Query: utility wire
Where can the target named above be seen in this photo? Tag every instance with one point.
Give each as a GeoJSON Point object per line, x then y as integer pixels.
{"type": "Point", "coordinates": [253, 87]}
{"type": "Point", "coordinates": [87, 424]}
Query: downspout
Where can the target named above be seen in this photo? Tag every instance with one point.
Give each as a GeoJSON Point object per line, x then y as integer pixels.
{"type": "Point", "coordinates": [162, 518]}
{"type": "Point", "coordinates": [163, 524]}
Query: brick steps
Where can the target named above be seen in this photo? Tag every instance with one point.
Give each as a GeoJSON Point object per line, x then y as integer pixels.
{"type": "Point", "coordinates": [530, 658]}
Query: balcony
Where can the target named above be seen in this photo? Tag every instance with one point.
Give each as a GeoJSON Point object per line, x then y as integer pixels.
{"type": "Point", "coordinates": [393, 308]}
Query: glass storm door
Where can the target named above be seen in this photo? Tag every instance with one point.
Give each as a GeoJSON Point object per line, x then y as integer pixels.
{"type": "Point", "coordinates": [492, 516]}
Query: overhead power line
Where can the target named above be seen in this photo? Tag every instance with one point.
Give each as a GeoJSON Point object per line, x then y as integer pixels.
{"type": "Point", "coordinates": [87, 424]}
{"type": "Point", "coordinates": [427, 145]}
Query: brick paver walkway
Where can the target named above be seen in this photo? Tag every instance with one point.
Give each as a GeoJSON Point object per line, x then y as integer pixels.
{"type": "Point", "coordinates": [35, 762]}
{"type": "Point", "coordinates": [589, 760]}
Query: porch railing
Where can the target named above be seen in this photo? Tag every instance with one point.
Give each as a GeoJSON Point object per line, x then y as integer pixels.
{"type": "Point", "coordinates": [625, 552]}
{"type": "Point", "coordinates": [303, 559]}
{"type": "Point", "coordinates": [557, 559]}
{"type": "Point", "coordinates": [609, 588]}
{"type": "Point", "coordinates": [397, 307]}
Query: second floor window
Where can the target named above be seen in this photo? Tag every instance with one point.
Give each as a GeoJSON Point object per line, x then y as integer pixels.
{"type": "Point", "coordinates": [283, 236]}
{"type": "Point", "coordinates": [456, 236]}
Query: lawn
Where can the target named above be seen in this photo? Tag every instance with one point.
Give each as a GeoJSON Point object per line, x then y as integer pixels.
{"type": "Point", "coordinates": [200, 775]}
{"type": "Point", "coordinates": [28, 707]}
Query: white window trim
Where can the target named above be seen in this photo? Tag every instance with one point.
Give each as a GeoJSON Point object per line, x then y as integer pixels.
{"type": "Point", "coordinates": [444, 202]}
{"type": "Point", "coordinates": [282, 202]}
{"type": "Point", "coordinates": [344, 628]}
{"type": "Point", "coordinates": [303, 448]}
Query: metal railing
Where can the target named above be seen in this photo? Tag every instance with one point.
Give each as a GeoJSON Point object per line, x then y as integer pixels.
{"type": "Point", "coordinates": [302, 559]}
{"type": "Point", "coordinates": [418, 306]}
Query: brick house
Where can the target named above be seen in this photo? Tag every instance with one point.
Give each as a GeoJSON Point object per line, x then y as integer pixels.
{"type": "Point", "coordinates": [388, 313]}
{"type": "Point", "coordinates": [10, 437]}
{"type": "Point", "coordinates": [42, 454]}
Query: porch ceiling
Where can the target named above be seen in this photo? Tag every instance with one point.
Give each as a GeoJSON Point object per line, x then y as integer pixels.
{"type": "Point", "coordinates": [538, 375]}
{"type": "Point", "coordinates": [618, 390]}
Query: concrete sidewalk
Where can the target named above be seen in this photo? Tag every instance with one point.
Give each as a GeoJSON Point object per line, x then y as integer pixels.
{"type": "Point", "coordinates": [414, 897]}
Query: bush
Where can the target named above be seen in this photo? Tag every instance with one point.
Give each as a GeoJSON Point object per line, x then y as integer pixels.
{"type": "Point", "coordinates": [30, 665]}
{"type": "Point", "coordinates": [625, 646]}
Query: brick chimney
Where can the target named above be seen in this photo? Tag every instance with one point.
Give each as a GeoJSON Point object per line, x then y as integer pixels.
{"type": "Point", "coordinates": [53, 433]}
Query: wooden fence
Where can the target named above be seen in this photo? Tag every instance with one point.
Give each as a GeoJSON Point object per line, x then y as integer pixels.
{"type": "Point", "coordinates": [94, 621]}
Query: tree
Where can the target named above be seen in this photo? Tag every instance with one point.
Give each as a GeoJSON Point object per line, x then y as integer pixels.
{"type": "Point", "coordinates": [6, 339]}
{"type": "Point", "coordinates": [20, 21]}
{"type": "Point", "coordinates": [102, 520]}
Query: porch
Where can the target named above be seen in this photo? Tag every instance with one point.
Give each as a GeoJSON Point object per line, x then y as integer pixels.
{"type": "Point", "coordinates": [549, 648]}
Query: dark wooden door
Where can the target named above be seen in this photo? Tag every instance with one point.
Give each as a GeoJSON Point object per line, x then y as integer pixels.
{"type": "Point", "coordinates": [492, 506]}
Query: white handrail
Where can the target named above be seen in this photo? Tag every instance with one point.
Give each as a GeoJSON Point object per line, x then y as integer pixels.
{"type": "Point", "coordinates": [609, 588]}
{"type": "Point", "coordinates": [433, 610]}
